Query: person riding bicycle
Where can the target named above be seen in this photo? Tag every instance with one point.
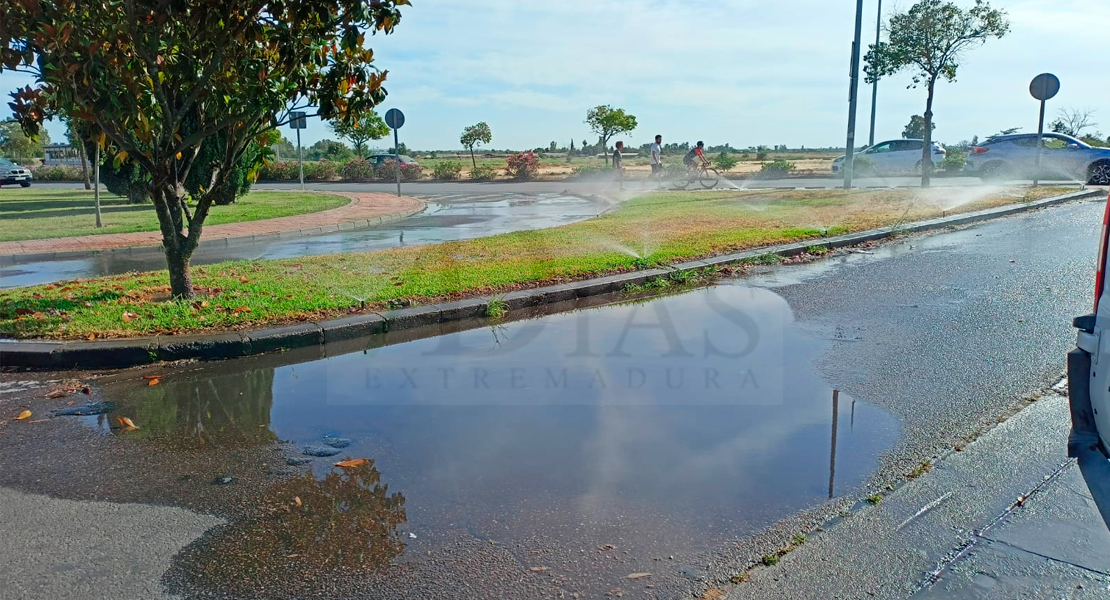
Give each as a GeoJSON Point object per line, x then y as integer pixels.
{"type": "Point", "coordinates": [695, 155]}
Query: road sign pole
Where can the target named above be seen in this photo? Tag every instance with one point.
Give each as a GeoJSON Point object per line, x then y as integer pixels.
{"type": "Point", "coordinates": [875, 85]}
{"type": "Point", "coordinates": [397, 151]}
{"type": "Point", "coordinates": [300, 160]}
{"type": "Point", "coordinates": [1040, 145]}
{"type": "Point", "coordinates": [853, 93]}
{"type": "Point", "coordinates": [395, 119]}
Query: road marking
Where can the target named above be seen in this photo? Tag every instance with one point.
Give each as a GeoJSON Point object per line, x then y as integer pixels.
{"type": "Point", "coordinates": [925, 509]}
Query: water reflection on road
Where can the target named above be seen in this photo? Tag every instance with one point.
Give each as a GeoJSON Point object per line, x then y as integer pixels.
{"type": "Point", "coordinates": [658, 427]}
{"type": "Point", "coordinates": [446, 218]}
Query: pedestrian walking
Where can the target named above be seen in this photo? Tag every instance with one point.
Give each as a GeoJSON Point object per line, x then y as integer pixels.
{"type": "Point", "coordinates": [657, 159]}
{"type": "Point", "coordinates": [618, 166]}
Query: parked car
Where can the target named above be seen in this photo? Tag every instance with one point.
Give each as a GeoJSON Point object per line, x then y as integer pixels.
{"type": "Point", "coordinates": [13, 173]}
{"type": "Point", "coordinates": [1062, 157]}
{"type": "Point", "coordinates": [378, 159]}
{"type": "Point", "coordinates": [1089, 386]}
{"type": "Point", "coordinates": [893, 157]}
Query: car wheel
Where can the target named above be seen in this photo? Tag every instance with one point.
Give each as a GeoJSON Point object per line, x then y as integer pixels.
{"type": "Point", "coordinates": [1099, 173]}
{"type": "Point", "coordinates": [994, 171]}
{"type": "Point", "coordinates": [24, 184]}
{"type": "Point", "coordinates": [917, 167]}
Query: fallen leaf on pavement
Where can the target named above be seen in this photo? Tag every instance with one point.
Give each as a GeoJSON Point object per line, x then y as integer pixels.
{"type": "Point", "coordinates": [153, 382]}
{"type": "Point", "coordinates": [297, 500]}
{"type": "Point", "coordinates": [91, 337]}
{"type": "Point", "coordinates": [538, 569]}
{"type": "Point", "coordinates": [354, 462]}
{"type": "Point", "coordinates": [57, 394]}
{"type": "Point", "coordinates": [638, 575]}
{"type": "Point", "coordinates": [23, 415]}
{"type": "Point", "coordinates": [127, 422]}
{"type": "Point", "coordinates": [153, 376]}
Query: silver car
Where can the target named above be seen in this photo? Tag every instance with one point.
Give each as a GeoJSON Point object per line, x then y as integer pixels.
{"type": "Point", "coordinates": [892, 157]}
{"type": "Point", "coordinates": [13, 173]}
{"type": "Point", "coordinates": [1062, 157]}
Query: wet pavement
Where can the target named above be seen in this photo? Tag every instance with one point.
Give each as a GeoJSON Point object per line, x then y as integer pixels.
{"type": "Point", "coordinates": [585, 446]}
{"type": "Point", "coordinates": [447, 217]}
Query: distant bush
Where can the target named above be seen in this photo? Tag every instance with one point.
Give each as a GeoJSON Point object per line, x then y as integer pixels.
{"type": "Point", "coordinates": [777, 167]}
{"type": "Point", "coordinates": [323, 170]}
{"type": "Point", "coordinates": [522, 166]}
{"type": "Point", "coordinates": [278, 170]}
{"type": "Point", "coordinates": [57, 173]}
{"type": "Point", "coordinates": [483, 173]}
{"type": "Point", "coordinates": [724, 161]}
{"type": "Point", "coordinates": [761, 155]}
{"type": "Point", "coordinates": [357, 169]}
{"type": "Point", "coordinates": [409, 171]}
{"type": "Point", "coordinates": [954, 162]}
{"type": "Point", "coordinates": [128, 181]}
{"type": "Point", "coordinates": [447, 170]}
{"type": "Point", "coordinates": [588, 170]}
{"type": "Point", "coordinates": [745, 156]}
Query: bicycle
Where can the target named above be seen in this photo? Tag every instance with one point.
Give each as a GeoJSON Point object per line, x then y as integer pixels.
{"type": "Point", "coordinates": [705, 175]}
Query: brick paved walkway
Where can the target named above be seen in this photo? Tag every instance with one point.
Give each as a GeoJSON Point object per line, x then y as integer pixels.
{"type": "Point", "coordinates": [365, 209]}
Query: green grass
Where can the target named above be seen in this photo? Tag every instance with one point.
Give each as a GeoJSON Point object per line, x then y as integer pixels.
{"type": "Point", "coordinates": [874, 499]}
{"type": "Point", "coordinates": [30, 213]}
{"type": "Point", "coordinates": [663, 227]}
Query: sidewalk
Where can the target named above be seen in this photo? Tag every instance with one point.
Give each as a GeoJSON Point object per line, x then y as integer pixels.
{"type": "Point", "coordinates": [365, 209]}
{"type": "Point", "coordinates": [1008, 517]}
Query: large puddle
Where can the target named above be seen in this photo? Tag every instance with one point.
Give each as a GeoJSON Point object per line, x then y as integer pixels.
{"type": "Point", "coordinates": [659, 428]}
{"type": "Point", "coordinates": [446, 218]}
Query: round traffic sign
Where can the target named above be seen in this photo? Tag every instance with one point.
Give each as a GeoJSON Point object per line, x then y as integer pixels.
{"type": "Point", "coordinates": [1044, 86]}
{"type": "Point", "coordinates": [394, 118]}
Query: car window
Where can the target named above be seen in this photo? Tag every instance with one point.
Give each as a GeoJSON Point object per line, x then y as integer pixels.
{"type": "Point", "coordinates": [906, 145]}
{"type": "Point", "coordinates": [1055, 143]}
{"type": "Point", "coordinates": [6, 163]}
{"type": "Point", "coordinates": [1029, 142]}
{"type": "Point", "coordinates": [879, 148]}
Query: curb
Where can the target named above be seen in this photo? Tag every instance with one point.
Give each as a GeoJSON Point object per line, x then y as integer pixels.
{"type": "Point", "coordinates": [8, 260]}
{"type": "Point", "coordinates": [122, 353]}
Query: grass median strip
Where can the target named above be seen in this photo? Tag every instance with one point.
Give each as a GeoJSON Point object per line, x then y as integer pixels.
{"type": "Point", "coordinates": [654, 229]}
{"type": "Point", "coordinates": [32, 214]}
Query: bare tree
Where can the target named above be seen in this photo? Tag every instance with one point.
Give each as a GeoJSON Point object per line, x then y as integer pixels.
{"type": "Point", "coordinates": [1072, 121]}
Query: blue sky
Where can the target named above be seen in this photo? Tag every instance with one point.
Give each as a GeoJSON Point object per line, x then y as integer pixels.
{"type": "Point", "coordinates": [746, 72]}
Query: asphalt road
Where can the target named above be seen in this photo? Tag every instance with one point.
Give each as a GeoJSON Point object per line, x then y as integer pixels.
{"type": "Point", "coordinates": [947, 332]}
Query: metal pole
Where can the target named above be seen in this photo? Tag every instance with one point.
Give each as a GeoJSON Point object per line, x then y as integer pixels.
{"type": "Point", "coordinates": [832, 453]}
{"type": "Point", "coordinates": [853, 94]}
{"type": "Point", "coordinates": [397, 152]}
{"type": "Point", "coordinates": [300, 161]}
{"type": "Point", "coordinates": [1040, 144]}
{"type": "Point", "coordinates": [875, 85]}
{"type": "Point", "coordinates": [96, 186]}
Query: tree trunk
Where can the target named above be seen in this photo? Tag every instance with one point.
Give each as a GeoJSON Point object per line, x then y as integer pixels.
{"type": "Point", "coordinates": [84, 164]}
{"type": "Point", "coordinates": [472, 161]}
{"type": "Point", "coordinates": [927, 147]}
{"type": "Point", "coordinates": [181, 278]}
{"type": "Point", "coordinates": [605, 148]}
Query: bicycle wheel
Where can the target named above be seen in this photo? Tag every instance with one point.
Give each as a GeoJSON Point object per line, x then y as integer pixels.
{"type": "Point", "coordinates": [681, 182]}
{"type": "Point", "coordinates": [709, 178]}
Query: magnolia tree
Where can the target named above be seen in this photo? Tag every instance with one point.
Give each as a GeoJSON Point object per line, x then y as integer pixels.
{"type": "Point", "coordinates": [157, 79]}
{"type": "Point", "coordinates": [929, 40]}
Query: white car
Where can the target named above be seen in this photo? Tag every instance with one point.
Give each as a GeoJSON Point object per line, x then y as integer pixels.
{"type": "Point", "coordinates": [893, 157]}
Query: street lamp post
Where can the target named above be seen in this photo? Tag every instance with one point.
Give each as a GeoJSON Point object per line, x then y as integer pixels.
{"type": "Point", "coordinates": [875, 84]}
{"type": "Point", "coordinates": [853, 95]}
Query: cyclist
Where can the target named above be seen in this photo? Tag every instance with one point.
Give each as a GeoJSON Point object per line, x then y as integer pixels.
{"type": "Point", "coordinates": [695, 158]}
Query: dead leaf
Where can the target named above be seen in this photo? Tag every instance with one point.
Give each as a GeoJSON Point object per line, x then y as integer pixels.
{"type": "Point", "coordinates": [243, 309]}
{"type": "Point", "coordinates": [354, 462]}
{"type": "Point", "coordinates": [91, 337]}
{"type": "Point", "coordinates": [638, 575]}
{"type": "Point", "coordinates": [127, 317]}
{"type": "Point", "coordinates": [538, 569]}
{"type": "Point", "coordinates": [58, 394]}
{"type": "Point", "coordinates": [297, 500]}
{"type": "Point", "coordinates": [127, 422]}
{"type": "Point", "coordinates": [153, 382]}
{"type": "Point", "coordinates": [23, 415]}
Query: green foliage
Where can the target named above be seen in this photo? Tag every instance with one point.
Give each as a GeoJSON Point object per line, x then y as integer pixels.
{"type": "Point", "coordinates": [589, 170]}
{"type": "Point", "coordinates": [874, 499]}
{"type": "Point", "coordinates": [475, 135]}
{"type": "Point", "coordinates": [357, 169]}
{"type": "Point", "coordinates": [57, 173]}
{"type": "Point", "coordinates": [387, 171]}
{"type": "Point", "coordinates": [915, 129]}
{"type": "Point", "coordinates": [497, 308]}
{"type": "Point", "coordinates": [607, 121]}
{"type": "Point", "coordinates": [724, 161]}
{"type": "Point", "coordinates": [761, 154]}
{"type": "Point", "coordinates": [483, 173]}
{"type": "Point", "coordinates": [321, 170]}
{"type": "Point", "coordinates": [17, 145]}
{"type": "Point", "coordinates": [328, 150]}
{"type": "Point", "coordinates": [161, 79]}
{"type": "Point", "coordinates": [954, 161]}
{"type": "Point", "coordinates": [770, 560]}
{"type": "Point", "coordinates": [360, 129]}
{"type": "Point", "coordinates": [127, 180]}
{"type": "Point", "coordinates": [448, 170]}
{"type": "Point", "coordinates": [777, 167]}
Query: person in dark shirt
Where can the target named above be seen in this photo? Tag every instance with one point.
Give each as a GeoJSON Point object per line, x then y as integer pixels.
{"type": "Point", "coordinates": [618, 166]}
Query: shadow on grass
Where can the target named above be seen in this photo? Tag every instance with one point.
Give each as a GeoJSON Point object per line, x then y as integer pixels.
{"type": "Point", "coordinates": [75, 211]}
